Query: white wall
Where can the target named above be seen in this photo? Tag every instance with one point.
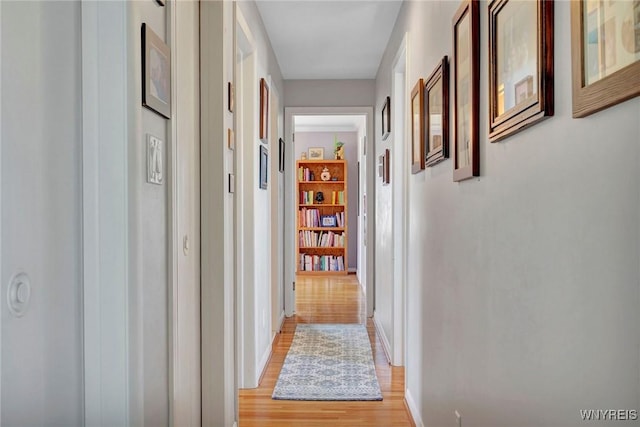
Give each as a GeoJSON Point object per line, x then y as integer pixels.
{"type": "Point", "coordinates": [257, 234]}
{"type": "Point", "coordinates": [329, 93]}
{"type": "Point", "coordinates": [41, 219]}
{"type": "Point", "coordinates": [305, 140]}
{"type": "Point", "coordinates": [523, 284]}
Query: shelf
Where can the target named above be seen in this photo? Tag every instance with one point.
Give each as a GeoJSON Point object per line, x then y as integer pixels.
{"type": "Point", "coordinates": [322, 273]}
{"type": "Point", "coordinates": [320, 182]}
{"type": "Point", "coordinates": [315, 205]}
{"type": "Point", "coordinates": [322, 228]}
{"type": "Point", "coordinates": [322, 247]}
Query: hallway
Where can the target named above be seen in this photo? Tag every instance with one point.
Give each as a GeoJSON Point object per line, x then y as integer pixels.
{"type": "Point", "coordinates": [326, 300]}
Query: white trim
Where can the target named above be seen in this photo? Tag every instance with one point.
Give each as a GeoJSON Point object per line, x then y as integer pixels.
{"type": "Point", "coordinates": [290, 199]}
{"type": "Point", "coordinates": [1, 305]}
{"type": "Point", "coordinates": [383, 338]}
{"type": "Point", "coordinates": [262, 364]}
{"type": "Point", "coordinates": [105, 213]}
{"type": "Point", "coordinates": [413, 408]}
{"type": "Point", "coordinates": [400, 203]}
{"type": "Point", "coordinates": [172, 215]}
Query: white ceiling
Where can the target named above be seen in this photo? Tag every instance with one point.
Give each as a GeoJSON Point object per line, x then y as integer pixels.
{"type": "Point", "coordinates": [322, 39]}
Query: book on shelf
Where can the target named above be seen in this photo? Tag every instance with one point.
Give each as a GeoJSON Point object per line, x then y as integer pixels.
{"type": "Point", "coordinates": [310, 262]}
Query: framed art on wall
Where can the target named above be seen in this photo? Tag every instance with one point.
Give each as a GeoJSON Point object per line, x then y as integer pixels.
{"type": "Point", "coordinates": [281, 155]}
{"type": "Point", "coordinates": [156, 73]}
{"type": "Point", "coordinates": [386, 167]}
{"type": "Point", "coordinates": [417, 127]}
{"type": "Point", "coordinates": [520, 65]}
{"type": "Point", "coordinates": [466, 45]}
{"type": "Point", "coordinates": [386, 119]}
{"type": "Point", "coordinates": [264, 111]}
{"type": "Point", "coordinates": [605, 53]}
{"type": "Point", "coordinates": [264, 166]}
{"type": "Point", "coordinates": [436, 97]}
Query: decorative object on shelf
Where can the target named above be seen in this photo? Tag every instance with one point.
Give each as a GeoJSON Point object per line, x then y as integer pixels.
{"type": "Point", "coordinates": [316, 153]}
{"type": "Point", "coordinates": [325, 175]}
{"type": "Point", "coordinates": [338, 148]}
{"type": "Point", "coordinates": [264, 162]}
{"type": "Point", "coordinates": [281, 155]}
{"type": "Point", "coordinates": [319, 197]}
{"type": "Point", "coordinates": [605, 54]}
{"type": "Point", "coordinates": [386, 119]}
{"type": "Point", "coordinates": [417, 127]}
{"type": "Point", "coordinates": [520, 65]}
{"type": "Point", "coordinates": [466, 59]}
{"type": "Point", "coordinates": [303, 156]}
{"type": "Point", "coordinates": [328, 220]}
{"type": "Point", "coordinates": [156, 69]}
{"type": "Point", "coordinates": [436, 97]}
{"type": "Point", "coordinates": [264, 111]}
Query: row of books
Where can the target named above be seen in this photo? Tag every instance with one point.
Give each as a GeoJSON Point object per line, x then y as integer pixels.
{"type": "Point", "coordinates": [321, 263]}
{"type": "Point", "coordinates": [309, 218]}
{"type": "Point", "coordinates": [304, 174]}
{"type": "Point", "coordinates": [307, 197]}
{"type": "Point", "coordinates": [324, 239]}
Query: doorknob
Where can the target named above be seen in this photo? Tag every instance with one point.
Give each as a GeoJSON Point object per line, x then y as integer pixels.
{"type": "Point", "coordinates": [19, 294]}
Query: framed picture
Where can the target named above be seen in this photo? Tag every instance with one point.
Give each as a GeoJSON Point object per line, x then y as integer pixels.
{"type": "Point", "coordinates": [231, 143]}
{"type": "Point", "coordinates": [160, 2]}
{"type": "Point", "coordinates": [281, 155]}
{"type": "Point", "coordinates": [386, 167]}
{"type": "Point", "coordinates": [520, 65]}
{"type": "Point", "coordinates": [264, 111]}
{"type": "Point", "coordinates": [328, 220]}
{"type": "Point", "coordinates": [156, 73]}
{"type": "Point", "coordinates": [436, 97]}
{"type": "Point", "coordinates": [264, 164]}
{"type": "Point", "coordinates": [386, 119]}
{"type": "Point", "coordinates": [230, 96]}
{"type": "Point", "coordinates": [605, 54]}
{"type": "Point", "coordinates": [417, 127]}
{"type": "Point", "coordinates": [466, 62]}
{"type": "Point", "coordinates": [316, 153]}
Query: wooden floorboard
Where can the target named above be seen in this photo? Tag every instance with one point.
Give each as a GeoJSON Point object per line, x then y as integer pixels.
{"type": "Point", "coordinates": [326, 300]}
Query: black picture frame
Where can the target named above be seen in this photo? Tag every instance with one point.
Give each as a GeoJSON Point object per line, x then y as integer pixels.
{"type": "Point", "coordinates": [386, 119]}
{"type": "Point", "coordinates": [281, 155]}
{"type": "Point", "coordinates": [436, 98]}
{"type": "Point", "coordinates": [156, 73]}
{"type": "Point", "coordinates": [264, 167]}
{"type": "Point", "coordinates": [417, 127]}
{"type": "Point", "coordinates": [520, 65]}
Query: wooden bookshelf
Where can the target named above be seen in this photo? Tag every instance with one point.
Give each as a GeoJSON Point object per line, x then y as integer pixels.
{"type": "Point", "coordinates": [321, 249]}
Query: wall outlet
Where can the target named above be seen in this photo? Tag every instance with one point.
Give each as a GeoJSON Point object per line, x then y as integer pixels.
{"type": "Point", "coordinates": [458, 418]}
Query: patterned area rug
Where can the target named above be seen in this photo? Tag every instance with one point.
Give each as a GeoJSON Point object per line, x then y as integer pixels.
{"type": "Point", "coordinates": [328, 362]}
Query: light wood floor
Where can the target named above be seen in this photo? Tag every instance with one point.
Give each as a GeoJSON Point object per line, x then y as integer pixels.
{"type": "Point", "coordinates": [326, 300]}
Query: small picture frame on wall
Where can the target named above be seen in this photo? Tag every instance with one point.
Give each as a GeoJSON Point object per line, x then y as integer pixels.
{"type": "Point", "coordinates": [264, 111]}
{"type": "Point", "coordinates": [230, 96]}
{"type": "Point", "coordinates": [520, 65]}
{"type": "Point", "coordinates": [605, 54]}
{"type": "Point", "coordinates": [264, 166]}
{"type": "Point", "coordinates": [386, 119]}
{"type": "Point", "coordinates": [436, 97]}
{"type": "Point", "coordinates": [281, 152]}
{"type": "Point", "coordinates": [156, 73]}
{"type": "Point", "coordinates": [316, 153]}
{"type": "Point", "coordinates": [417, 127]}
{"type": "Point", "coordinates": [466, 47]}
{"type": "Point", "coordinates": [386, 167]}
{"type": "Point", "coordinates": [160, 2]}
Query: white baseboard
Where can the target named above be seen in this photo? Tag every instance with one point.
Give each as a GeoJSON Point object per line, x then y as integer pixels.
{"type": "Point", "coordinates": [263, 363]}
{"type": "Point", "coordinates": [281, 321]}
{"type": "Point", "coordinates": [413, 408]}
{"type": "Point", "coordinates": [385, 342]}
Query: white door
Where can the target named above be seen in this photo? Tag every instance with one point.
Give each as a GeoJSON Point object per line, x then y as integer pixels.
{"type": "Point", "coordinates": [41, 220]}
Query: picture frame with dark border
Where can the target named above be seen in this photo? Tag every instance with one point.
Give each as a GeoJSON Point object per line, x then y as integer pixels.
{"type": "Point", "coordinates": [264, 111]}
{"type": "Point", "coordinates": [230, 96]}
{"type": "Point", "coordinates": [264, 167]}
{"type": "Point", "coordinates": [417, 127]}
{"type": "Point", "coordinates": [156, 73]}
{"type": "Point", "coordinates": [587, 33]}
{"type": "Point", "coordinates": [386, 167]}
{"type": "Point", "coordinates": [436, 98]}
{"type": "Point", "coordinates": [386, 118]}
{"type": "Point", "coordinates": [520, 65]}
{"type": "Point", "coordinates": [281, 152]}
{"type": "Point", "coordinates": [466, 72]}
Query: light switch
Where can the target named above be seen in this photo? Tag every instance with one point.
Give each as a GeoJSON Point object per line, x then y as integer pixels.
{"type": "Point", "coordinates": [154, 160]}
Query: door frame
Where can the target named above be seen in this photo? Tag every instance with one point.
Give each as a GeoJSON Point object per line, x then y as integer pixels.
{"type": "Point", "coordinates": [290, 200]}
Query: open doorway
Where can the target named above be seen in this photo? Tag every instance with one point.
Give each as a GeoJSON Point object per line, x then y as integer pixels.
{"type": "Point", "coordinates": [321, 129]}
